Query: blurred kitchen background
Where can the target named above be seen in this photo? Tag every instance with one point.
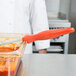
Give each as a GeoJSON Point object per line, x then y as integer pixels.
{"type": "Point", "coordinates": [62, 14]}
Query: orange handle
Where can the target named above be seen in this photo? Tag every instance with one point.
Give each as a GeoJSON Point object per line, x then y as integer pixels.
{"type": "Point", "coordinates": [49, 34]}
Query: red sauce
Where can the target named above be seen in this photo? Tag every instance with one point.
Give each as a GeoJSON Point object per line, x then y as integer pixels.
{"type": "Point", "coordinates": [8, 66]}
{"type": "Point", "coordinates": [6, 73]}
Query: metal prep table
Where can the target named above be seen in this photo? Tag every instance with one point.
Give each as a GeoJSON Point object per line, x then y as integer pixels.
{"type": "Point", "coordinates": [47, 65]}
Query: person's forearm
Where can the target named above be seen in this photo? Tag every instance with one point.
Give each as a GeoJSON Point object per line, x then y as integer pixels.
{"type": "Point", "coordinates": [43, 51]}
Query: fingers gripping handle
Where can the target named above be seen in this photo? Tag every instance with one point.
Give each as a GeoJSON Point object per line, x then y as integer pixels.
{"type": "Point", "coordinates": [49, 34]}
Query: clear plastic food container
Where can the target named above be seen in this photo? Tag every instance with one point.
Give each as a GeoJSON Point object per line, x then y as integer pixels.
{"type": "Point", "coordinates": [10, 55]}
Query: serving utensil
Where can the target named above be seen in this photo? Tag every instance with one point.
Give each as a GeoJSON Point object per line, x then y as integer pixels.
{"type": "Point", "coordinates": [44, 35]}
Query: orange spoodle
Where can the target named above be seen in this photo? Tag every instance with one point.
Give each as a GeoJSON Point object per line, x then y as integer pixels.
{"type": "Point", "coordinates": [48, 34]}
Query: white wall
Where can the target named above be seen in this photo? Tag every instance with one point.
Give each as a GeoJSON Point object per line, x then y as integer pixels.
{"type": "Point", "coordinates": [53, 7]}
{"type": "Point", "coordinates": [64, 7]}
{"type": "Point", "coordinates": [56, 6]}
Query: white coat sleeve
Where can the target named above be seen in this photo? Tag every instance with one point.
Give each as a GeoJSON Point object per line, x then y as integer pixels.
{"type": "Point", "coordinates": [39, 21]}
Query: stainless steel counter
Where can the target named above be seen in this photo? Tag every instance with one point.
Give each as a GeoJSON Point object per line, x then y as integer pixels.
{"type": "Point", "coordinates": [48, 65]}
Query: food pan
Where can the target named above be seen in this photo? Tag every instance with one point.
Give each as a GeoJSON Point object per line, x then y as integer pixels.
{"type": "Point", "coordinates": [10, 55]}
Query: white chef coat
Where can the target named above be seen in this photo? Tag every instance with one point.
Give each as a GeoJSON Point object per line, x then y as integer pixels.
{"type": "Point", "coordinates": [19, 16]}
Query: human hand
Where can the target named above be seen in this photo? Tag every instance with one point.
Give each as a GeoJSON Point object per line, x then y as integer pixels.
{"type": "Point", "coordinates": [42, 51]}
